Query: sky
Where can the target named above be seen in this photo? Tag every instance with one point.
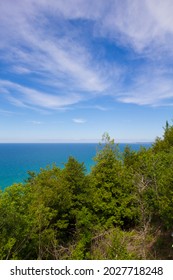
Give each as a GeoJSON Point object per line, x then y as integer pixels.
{"type": "Point", "coordinates": [71, 70]}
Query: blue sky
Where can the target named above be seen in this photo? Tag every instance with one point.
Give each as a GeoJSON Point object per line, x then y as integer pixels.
{"type": "Point", "coordinates": [71, 70]}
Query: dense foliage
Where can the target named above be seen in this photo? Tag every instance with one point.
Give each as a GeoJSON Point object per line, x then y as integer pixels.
{"type": "Point", "coordinates": [123, 209]}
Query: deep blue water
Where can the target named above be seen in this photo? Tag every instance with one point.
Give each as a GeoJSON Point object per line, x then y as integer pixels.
{"type": "Point", "coordinates": [17, 159]}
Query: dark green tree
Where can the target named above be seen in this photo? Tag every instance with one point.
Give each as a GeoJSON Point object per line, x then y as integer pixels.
{"type": "Point", "coordinates": [113, 199]}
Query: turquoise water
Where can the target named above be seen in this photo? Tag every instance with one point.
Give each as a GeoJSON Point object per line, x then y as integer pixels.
{"type": "Point", "coordinates": [17, 159]}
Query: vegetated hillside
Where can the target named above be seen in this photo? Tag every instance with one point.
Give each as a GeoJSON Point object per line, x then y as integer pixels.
{"type": "Point", "coordinates": [123, 209]}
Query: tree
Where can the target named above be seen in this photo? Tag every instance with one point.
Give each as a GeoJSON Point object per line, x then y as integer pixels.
{"type": "Point", "coordinates": [113, 198]}
{"type": "Point", "coordinates": [80, 215]}
{"type": "Point", "coordinates": [14, 223]}
{"type": "Point", "coordinates": [166, 142]}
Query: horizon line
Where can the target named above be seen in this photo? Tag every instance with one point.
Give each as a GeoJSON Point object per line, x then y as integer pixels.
{"type": "Point", "coordinates": [81, 142]}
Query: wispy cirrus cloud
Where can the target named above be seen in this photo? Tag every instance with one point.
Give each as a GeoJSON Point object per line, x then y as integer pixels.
{"type": "Point", "coordinates": [139, 23]}
{"type": "Point", "coordinates": [44, 42]}
{"type": "Point", "coordinates": [56, 60]}
{"type": "Point", "coordinates": [6, 112]}
{"type": "Point", "coordinates": [97, 107]}
{"type": "Point", "coordinates": [20, 70]}
{"type": "Point", "coordinates": [157, 93]}
{"type": "Point", "coordinates": [27, 97]}
{"type": "Point", "coordinates": [148, 85]}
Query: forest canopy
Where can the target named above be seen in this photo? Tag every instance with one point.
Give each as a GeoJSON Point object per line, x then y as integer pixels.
{"type": "Point", "coordinates": [122, 209]}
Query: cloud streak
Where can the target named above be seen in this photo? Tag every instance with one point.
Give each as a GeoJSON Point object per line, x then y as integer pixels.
{"type": "Point", "coordinates": [80, 121]}
{"type": "Point", "coordinates": [26, 97]}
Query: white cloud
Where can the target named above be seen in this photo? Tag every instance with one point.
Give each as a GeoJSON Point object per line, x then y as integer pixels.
{"type": "Point", "coordinates": [97, 107]}
{"type": "Point", "coordinates": [35, 122]}
{"type": "Point", "coordinates": [80, 121]}
{"type": "Point", "coordinates": [6, 112]}
{"type": "Point", "coordinates": [145, 25]}
{"type": "Point", "coordinates": [21, 70]}
{"type": "Point", "coordinates": [148, 90]}
{"type": "Point", "coordinates": [27, 97]}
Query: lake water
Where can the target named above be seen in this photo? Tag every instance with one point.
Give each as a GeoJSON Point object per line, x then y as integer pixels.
{"type": "Point", "coordinates": [17, 159]}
